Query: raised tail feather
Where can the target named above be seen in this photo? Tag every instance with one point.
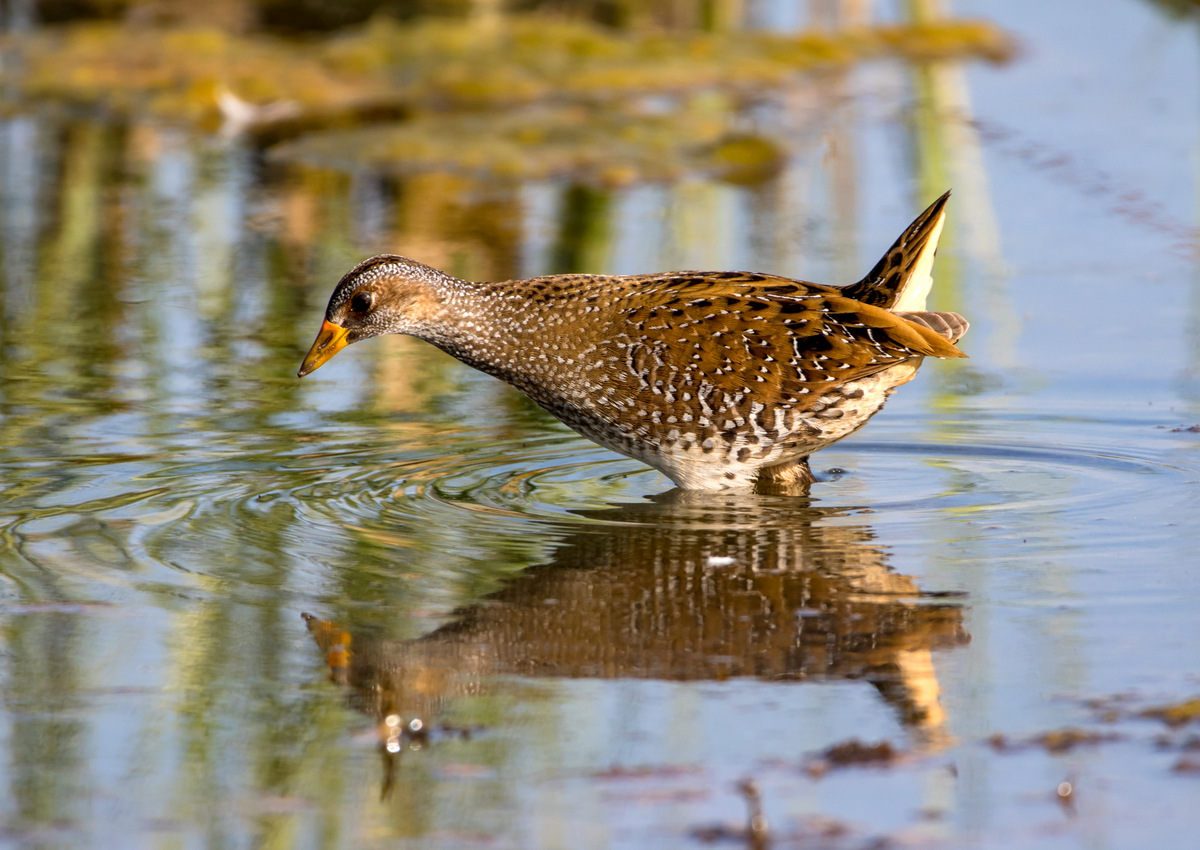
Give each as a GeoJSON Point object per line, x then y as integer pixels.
{"type": "Point", "coordinates": [901, 279]}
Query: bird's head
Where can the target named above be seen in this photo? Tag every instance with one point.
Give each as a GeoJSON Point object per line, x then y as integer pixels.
{"type": "Point", "coordinates": [386, 294]}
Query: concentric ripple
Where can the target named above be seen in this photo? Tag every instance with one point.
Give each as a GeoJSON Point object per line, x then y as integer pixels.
{"type": "Point", "coordinates": [192, 515]}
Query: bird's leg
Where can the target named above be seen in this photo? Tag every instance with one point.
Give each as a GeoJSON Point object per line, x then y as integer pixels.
{"type": "Point", "coordinates": [785, 479]}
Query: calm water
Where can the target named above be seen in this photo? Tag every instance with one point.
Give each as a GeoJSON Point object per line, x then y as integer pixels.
{"type": "Point", "coordinates": [595, 661]}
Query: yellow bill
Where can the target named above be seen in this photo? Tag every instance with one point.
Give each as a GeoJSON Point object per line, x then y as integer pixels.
{"type": "Point", "coordinates": [329, 342]}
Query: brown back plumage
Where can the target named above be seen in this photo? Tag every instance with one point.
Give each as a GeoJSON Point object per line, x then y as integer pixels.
{"type": "Point", "coordinates": [782, 338]}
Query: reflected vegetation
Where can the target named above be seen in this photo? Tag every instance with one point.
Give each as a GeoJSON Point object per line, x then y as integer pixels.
{"type": "Point", "coordinates": [680, 588]}
{"type": "Point", "coordinates": [438, 64]}
{"type": "Point", "coordinates": [171, 497]}
{"type": "Point", "coordinates": [508, 94]}
{"type": "Point", "coordinates": [177, 197]}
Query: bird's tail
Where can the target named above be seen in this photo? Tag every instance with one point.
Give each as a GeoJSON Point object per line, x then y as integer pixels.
{"type": "Point", "coordinates": [902, 278]}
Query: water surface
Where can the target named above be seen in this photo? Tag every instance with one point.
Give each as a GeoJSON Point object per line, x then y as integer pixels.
{"type": "Point", "coordinates": [1010, 549]}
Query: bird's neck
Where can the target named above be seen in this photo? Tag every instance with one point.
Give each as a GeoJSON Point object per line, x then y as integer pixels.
{"type": "Point", "coordinates": [519, 331]}
{"type": "Point", "coordinates": [489, 326]}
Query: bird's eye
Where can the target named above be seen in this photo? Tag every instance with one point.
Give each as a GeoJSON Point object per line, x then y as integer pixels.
{"type": "Point", "coordinates": [362, 302]}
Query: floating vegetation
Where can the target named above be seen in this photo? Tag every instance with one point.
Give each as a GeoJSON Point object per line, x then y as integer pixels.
{"type": "Point", "coordinates": [599, 146]}
{"type": "Point", "coordinates": [444, 65]}
{"type": "Point", "coordinates": [1177, 713]}
{"type": "Point", "coordinates": [177, 73]}
{"type": "Point", "coordinates": [532, 58]}
{"type": "Point", "coordinates": [853, 753]}
{"type": "Point", "coordinates": [514, 97]}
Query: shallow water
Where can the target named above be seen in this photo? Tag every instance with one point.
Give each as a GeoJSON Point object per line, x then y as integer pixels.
{"type": "Point", "coordinates": [595, 661]}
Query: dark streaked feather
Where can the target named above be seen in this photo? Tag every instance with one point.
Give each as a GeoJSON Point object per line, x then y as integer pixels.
{"type": "Point", "coordinates": [885, 284]}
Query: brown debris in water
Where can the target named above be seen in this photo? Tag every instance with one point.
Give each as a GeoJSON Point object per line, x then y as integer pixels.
{"type": "Point", "coordinates": [755, 834]}
{"type": "Point", "coordinates": [998, 741]}
{"type": "Point", "coordinates": [853, 753]}
{"type": "Point", "coordinates": [1055, 741]}
{"type": "Point", "coordinates": [1123, 706]}
{"type": "Point", "coordinates": [434, 63]}
{"type": "Point", "coordinates": [666, 771]}
{"type": "Point", "coordinates": [1065, 740]}
{"type": "Point", "coordinates": [1175, 714]}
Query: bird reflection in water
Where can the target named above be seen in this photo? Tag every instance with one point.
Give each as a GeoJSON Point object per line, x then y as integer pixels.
{"type": "Point", "coordinates": [682, 587]}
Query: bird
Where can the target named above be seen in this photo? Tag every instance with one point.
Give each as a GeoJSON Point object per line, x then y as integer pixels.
{"type": "Point", "coordinates": [721, 380]}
